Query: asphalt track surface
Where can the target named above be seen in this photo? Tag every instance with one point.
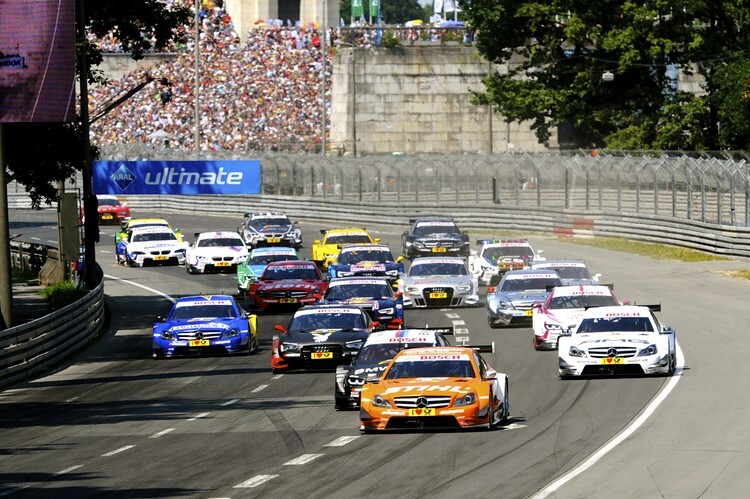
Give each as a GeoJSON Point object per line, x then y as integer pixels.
{"type": "Point", "coordinates": [115, 423]}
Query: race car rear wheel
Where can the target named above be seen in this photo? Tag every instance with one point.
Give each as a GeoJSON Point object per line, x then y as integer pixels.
{"type": "Point", "coordinates": [491, 413]}
{"type": "Point", "coordinates": [506, 406]}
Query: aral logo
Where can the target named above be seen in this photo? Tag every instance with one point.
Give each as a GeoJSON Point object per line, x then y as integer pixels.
{"type": "Point", "coordinates": [123, 177]}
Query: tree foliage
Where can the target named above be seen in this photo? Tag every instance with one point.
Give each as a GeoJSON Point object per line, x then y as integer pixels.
{"type": "Point", "coordinates": [610, 69]}
{"type": "Point", "coordinates": [39, 154]}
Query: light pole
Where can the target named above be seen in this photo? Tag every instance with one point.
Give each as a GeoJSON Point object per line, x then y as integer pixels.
{"type": "Point", "coordinates": [197, 81]}
{"type": "Point", "coordinates": [324, 32]}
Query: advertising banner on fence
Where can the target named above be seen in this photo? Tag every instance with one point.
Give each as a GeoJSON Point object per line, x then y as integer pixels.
{"type": "Point", "coordinates": [176, 177]}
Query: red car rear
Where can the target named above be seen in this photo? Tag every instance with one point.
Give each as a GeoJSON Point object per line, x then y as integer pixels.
{"type": "Point", "coordinates": [288, 283]}
{"type": "Point", "coordinates": [111, 210]}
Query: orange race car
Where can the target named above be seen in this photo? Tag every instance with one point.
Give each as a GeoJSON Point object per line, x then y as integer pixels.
{"type": "Point", "coordinates": [437, 387]}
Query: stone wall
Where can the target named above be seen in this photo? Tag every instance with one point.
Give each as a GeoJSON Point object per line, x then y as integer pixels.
{"type": "Point", "coordinates": [417, 100]}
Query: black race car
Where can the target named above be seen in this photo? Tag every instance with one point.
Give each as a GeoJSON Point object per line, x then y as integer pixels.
{"type": "Point", "coordinates": [374, 356]}
{"type": "Point", "coordinates": [434, 236]}
{"type": "Point", "coordinates": [320, 337]}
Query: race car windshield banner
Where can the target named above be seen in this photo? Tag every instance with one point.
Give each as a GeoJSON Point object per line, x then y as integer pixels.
{"type": "Point", "coordinates": [176, 177]}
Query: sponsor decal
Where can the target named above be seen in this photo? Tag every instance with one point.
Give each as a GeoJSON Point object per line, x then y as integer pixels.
{"type": "Point", "coordinates": [428, 389]}
{"type": "Point", "coordinates": [207, 325]}
{"type": "Point", "coordinates": [371, 266]}
{"type": "Point", "coordinates": [530, 276]}
{"type": "Point", "coordinates": [181, 304]}
{"type": "Point", "coordinates": [319, 311]}
{"type": "Point", "coordinates": [428, 358]}
{"type": "Point", "coordinates": [12, 62]}
{"type": "Point", "coordinates": [177, 177]}
{"type": "Point", "coordinates": [435, 224]}
{"type": "Point", "coordinates": [364, 370]}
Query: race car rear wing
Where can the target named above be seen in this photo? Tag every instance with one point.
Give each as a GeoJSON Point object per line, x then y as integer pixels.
{"type": "Point", "coordinates": [444, 330]}
{"type": "Point", "coordinates": [481, 348]}
{"type": "Point", "coordinates": [489, 241]}
{"type": "Point", "coordinates": [422, 217]}
{"type": "Point", "coordinates": [653, 308]}
{"type": "Point", "coordinates": [323, 231]}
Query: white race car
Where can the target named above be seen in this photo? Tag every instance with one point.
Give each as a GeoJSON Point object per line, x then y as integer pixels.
{"type": "Point", "coordinates": [565, 306]}
{"type": "Point", "coordinates": [618, 340]}
{"type": "Point", "coordinates": [495, 257]}
{"type": "Point", "coordinates": [442, 281]}
{"type": "Point", "coordinates": [222, 250]}
{"type": "Point", "coordinates": [512, 301]}
{"type": "Point", "coordinates": [157, 244]}
{"type": "Point", "coordinates": [570, 271]}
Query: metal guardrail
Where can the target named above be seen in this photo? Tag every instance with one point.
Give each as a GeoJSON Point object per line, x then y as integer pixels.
{"type": "Point", "coordinates": [28, 256]}
{"type": "Point", "coordinates": [32, 348]}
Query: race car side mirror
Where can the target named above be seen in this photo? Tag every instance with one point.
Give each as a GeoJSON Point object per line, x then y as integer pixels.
{"type": "Point", "coordinates": [536, 306]}
{"type": "Point", "coordinates": [666, 330]}
{"type": "Point", "coordinates": [490, 289]}
{"type": "Point", "coordinates": [376, 326]}
{"type": "Point", "coordinates": [398, 294]}
{"type": "Point", "coordinates": [279, 327]}
{"type": "Point", "coordinates": [377, 240]}
{"type": "Point", "coordinates": [317, 296]}
{"type": "Point", "coordinates": [490, 376]}
{"type": "Point", "coordinates": [400, 259]}
{"type": "Point", "coordinates": [317, 241]}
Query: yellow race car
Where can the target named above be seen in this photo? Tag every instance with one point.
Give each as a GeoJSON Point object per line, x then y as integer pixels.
{"type": "Point", "coordinates": [326, 250]}
{"type": "Point", "coordinates": [145, 222]}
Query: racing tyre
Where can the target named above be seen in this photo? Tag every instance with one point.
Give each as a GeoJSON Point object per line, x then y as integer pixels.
{"type": "Point", "coordinates": [491, 414]}
{"type": "Point", "coordinates": [492, 326]}
{"type": "Point", "coordinates": [506, 406]}
{"type": "Point", "coordinates": [189, 270]}
{"type": "Point", "coordinates": [672, 364]}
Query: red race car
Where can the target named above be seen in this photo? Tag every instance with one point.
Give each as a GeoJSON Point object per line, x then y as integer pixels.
{"type": "Point", "coordinates": [111, 210]}
{"type": "Point", "coordinates": [291, 282]}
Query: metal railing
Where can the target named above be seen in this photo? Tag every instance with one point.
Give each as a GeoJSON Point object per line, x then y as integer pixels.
{"type": "Point", "coordinates": [708, 188]}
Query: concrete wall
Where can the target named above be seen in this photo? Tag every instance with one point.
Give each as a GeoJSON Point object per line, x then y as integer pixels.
{"type": "Point", "coordinates": [417, 100]}
{"type": "Point", "coordinates": [116, 65]}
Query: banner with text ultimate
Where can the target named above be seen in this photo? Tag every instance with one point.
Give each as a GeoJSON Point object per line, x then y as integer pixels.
{"type": "Point", "coordinates": [176, 177]}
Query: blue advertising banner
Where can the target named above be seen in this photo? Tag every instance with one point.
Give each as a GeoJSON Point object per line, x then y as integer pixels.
{"type": "Point", "coordinates": [176, 177]}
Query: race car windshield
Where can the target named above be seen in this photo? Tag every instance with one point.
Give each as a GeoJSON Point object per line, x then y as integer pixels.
{"type": "Point", "coordinates": [438, 269]}
{"type": "Point", "coordinates": [365, 256]}
{"type": "Point", "coordinates": [202, 311]}
{"type": "Point", "coordinates": [108, 202]}
{"type": "Point", "coordinates": [220, 242]}
{"type": "Point", "coordinates": [380, 352]}
{"type": "Point", "coordinates": [496, 253]}
{"type": "Point", "coordinates": [515, 285]}
{"type": "Point", "coordinates": [616, 324]}
{"type": "Point", "coordinates": [311, 322]}
{"type": "Point", "coordinates": [348, 239]}
{"type": "Point", "coordinates": [154, 236]}
{"type": "Point", "coordinates": [260, 223]}
{"type": "Point", "coordinates": [426, 230]}
{"type": "Point", "coordinates": [433, 369]}
{"type": "Point", "coordinates": [561, 302]}
{"type": "Point", "coordinates": [336, 293]}
{"type": "Point", "coordinates": [291, 272]}
{"type": "Point", "coordinates": [264, 259]}
{"type": "Point", "coordinates": [578, 273]}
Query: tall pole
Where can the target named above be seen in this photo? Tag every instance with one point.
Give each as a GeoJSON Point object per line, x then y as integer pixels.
{"type": "Point", "coordinates": [91, 218]}
{"type": "Point", "coordinates": [323, 73]}
{"type": "Point", "coordinates": [6, 286]}
{"type": "Point", "coordinates": [197, 80]}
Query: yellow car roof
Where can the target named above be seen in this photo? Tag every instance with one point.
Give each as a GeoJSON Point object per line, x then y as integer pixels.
{"type": "Point", "coordinates": [138, 221]}
{"type": "Point", "coordinates": [351, 230]}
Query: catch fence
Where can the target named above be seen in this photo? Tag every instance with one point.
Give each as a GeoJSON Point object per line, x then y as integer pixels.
{"type": "Point", "coordinates": [710, 188]}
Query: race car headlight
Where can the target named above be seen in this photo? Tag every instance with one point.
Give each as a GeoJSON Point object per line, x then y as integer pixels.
{"type": "Point", "coordinates": [468, 399]}
{"type": "Point", "coordinates": [166, 335]}
{"type": "Point", "coordinates": [345, 274]}
{"type": "Point", "coordinates": [231, 333]}
{"type": "Point", "coordinates": [576, 352]}
{"type": "Point", "coordinates": [504, 305]}
{"type": "Point", "coordinates": [419, 244]}
{"type": "Point", "coordinates": [551, 326]}
{"type": "Point", "coordinates": [412, 290]}
{"type": "Point", "coordinates": [386, 311]}
{"type": "Point", "coordinates": [331, 255]}
{"type": "Point", "coordinates": [354, 345]}
{"type": "Point", "coordinates": [379, 401]}
{"type": "Point", "coordinates": [391, 272]}
{"type": "Point", "coordinates": [285, 347]}
{"type": "Point", "coordinates": [261, 292]}
{"type": "Point", "coordinates": [463, 288]}
{"type": "Point", "coordinates": [134, 253]}
{"type": "Point", "coordinates": [649, 350]}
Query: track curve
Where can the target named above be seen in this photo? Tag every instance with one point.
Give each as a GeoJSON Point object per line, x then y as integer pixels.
{"type": "Point", "coordinates": [116, 422]}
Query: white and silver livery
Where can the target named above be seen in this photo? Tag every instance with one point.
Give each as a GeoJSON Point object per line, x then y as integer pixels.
{"type": "Point", "coordinates": [439, 282]}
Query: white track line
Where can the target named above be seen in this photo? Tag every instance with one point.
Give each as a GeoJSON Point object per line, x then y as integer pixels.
{"type": "Point", "coordinates": [156, 292]}
{"type": "Point", "coordinates": [303, 459]}
{"type": "Point", "coordinates": [161, 433]}
{"type": "Point", "coordinates": [620, 437]}
{"type": "Point", "coordinates": [259, 388]}
{"type": "Point", "coordinates": [341, 441]}
{"type": "Point", "coordinates": [68, 470]}
{"type": "Point", "coordinates": [230, 402]}
{"type": "Point", "coordinates": [199, 416]}
{"type": "Point", "coordinates": [255, 481]}
{"type": "Point", "coordinates": [117, 451]}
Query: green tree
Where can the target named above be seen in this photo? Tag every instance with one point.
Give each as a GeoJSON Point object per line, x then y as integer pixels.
{"type": "Point", "coordinates": [607, 69]}
{"type": "Point", "coordinates": [39, 154]}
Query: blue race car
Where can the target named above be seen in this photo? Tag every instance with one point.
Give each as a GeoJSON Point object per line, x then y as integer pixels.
{"type": "Point", "coordinates": [367, 260]}
{"type": "Point", "coordinates": [198, 325]}
{"type": "Point", "coordinates": [374, 295]}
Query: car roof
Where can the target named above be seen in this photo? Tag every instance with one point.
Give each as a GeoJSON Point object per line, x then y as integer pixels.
{"type": "Point", "coordinates": [137, 221]}
{"type": "Point", "coordinates": [204, 299]}
{"type": "Point", "coordinates": [328, 309]}
{"type": "Point", "coordinates": [218, 234]}
{"type": "Point", "coordinates": [274, 250]}
{"type": "Point", "coordinates": [402, 336]}
{"type": "Point", "coordinates": [152, 229]}
{"type": "Point", "coordinates": [582, 290]}
{"type": "Point", "coordinates": [504, 243]}
{"type": "Point", "coordinates": [107, 196]}
{"type": "Point", "coordinates": [543, 264]}
{"type": "Point", "coordinates": [530, 274]}
{"type": "Point", "coordinates": [617, 311]}
{"type": "Point", "coordinates": [438, 259]}
{"type": "Point", "coordinates": [435, 353]}
{"type": "Point", "coordinates": [363, 247]}
{"type": "Point", "coordinates": [350, 230]}
{"type": "Point", "coordinates": [343, 281]}
{"type": "Point", "coordinates": [294, 263]}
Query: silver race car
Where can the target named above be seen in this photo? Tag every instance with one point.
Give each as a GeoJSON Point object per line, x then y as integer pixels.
{"type": "Point", "coordinates": [442, 281]}
{"type": "Point", "coordinates": [571, 272]}
{"type": "Point", "coordinates": [513, 300]}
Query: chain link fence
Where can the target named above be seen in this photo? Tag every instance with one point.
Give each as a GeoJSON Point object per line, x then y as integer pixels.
{"type": "Point", "coordinates": [711, 188]}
